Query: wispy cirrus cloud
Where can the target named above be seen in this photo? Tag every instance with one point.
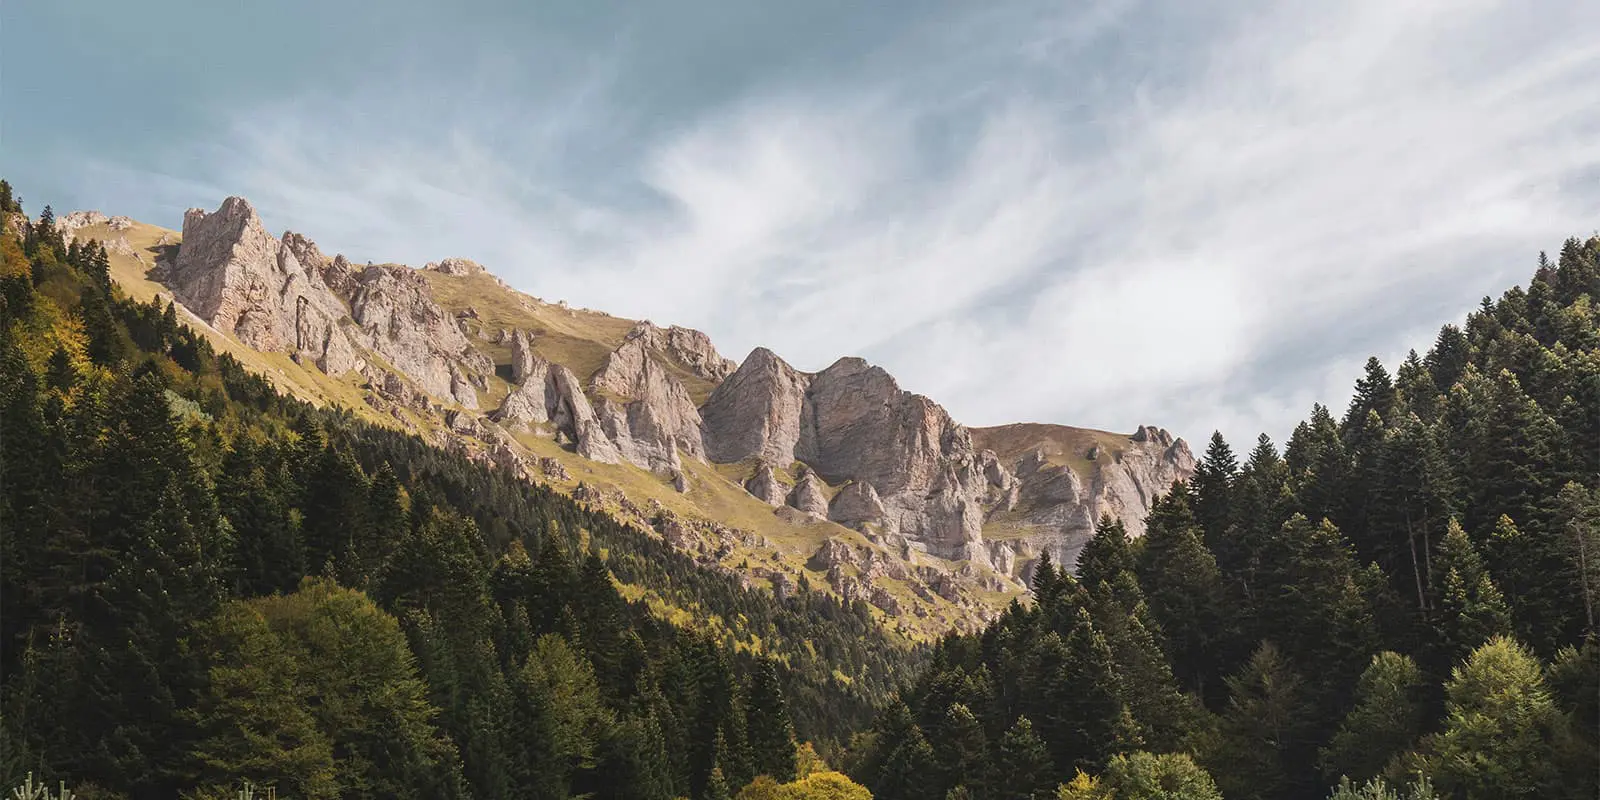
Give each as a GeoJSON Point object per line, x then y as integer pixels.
{"type": "Point", "coordinates": [1106, 216]}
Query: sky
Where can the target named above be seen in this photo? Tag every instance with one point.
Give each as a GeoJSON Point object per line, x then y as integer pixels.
{"type": "Point", "coordinates": [1104, 213]}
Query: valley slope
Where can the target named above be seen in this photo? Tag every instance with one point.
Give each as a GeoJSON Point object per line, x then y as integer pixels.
{"type": "Point", "coordinates": [838, 478]}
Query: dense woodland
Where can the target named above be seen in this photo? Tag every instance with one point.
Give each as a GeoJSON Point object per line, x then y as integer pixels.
{"type": "Point", "coordinates": [203, 582]}
{"type": "Point", "coordinates": [1402, 596]}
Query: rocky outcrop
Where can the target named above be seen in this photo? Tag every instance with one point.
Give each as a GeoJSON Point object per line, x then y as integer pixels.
{"type": "Point", "coordinates": [550, 399]}
{"type": "Point", "coordinates": [523, 359]}
{"type": "Point", "coordinates": [921, 479]}
{"type": "Point", "coordinates": [856, 506]}
{"type": "Point", "coordinates": [756, 412]}
{"type": "Point", "coordinates": [693, 350]}
{"type": "Point", "coordinates": [285, 295]}
{"type": "Point", "coordinates": [644, 409]}
{"type": "Point", "coordinates": [764, 485]}
{"type": "Point", "coordinates": [68, 225]}
{"type": "Point", "coordinates": [1066, 478]}
{"type": "Point", "coordinates": [455, 266]}
{"type": "Point", "coordinates": [908, 476]}
{"type": "Point", "coordinates": [237, 278]}
{"type": "Point", "coordinates": [808, 496]}
{"type": "Point", "coordinates": [399, 319]}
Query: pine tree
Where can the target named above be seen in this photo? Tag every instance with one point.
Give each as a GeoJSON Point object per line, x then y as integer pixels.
{"type": "Point", "coordinates": [910, 772]}
{"type": "Point", "coordinates": [1094, 722]}
{"type": "Point", "coordinates": [557, 717]}
{"type": "Point", "coordinates": [1263, 748]}
{"type": "Point", "coordinates": [1579, 521]}
{"type": "Point", "coordinates": [1413, 495]}
{"type": "Point", "coordinates": [1168, 776]}
{"type": "Point", "coordinates": [1417, 393]}
{"type": "Point", "coordinates": [1183, 588]}
{"type": "Point", "coordinates": [1385, 722]}
{"type": "Point", "coordinates": [1314, 607]}
{"type": "Point", "coordinates": [1258, 505]}
{"type": "Point", "coordinates": [770, 733]}
{"type": "Point", "coordinates": [1022, 765]}
{"type": "Point", "coordinates": [1448, 359]}
{"type": "Point", "coordinates": [1164, 715]}
{"type": "Point", "coordinates": [963, 751]}
{"type": "Point", "coordinates": [1213, 485]}
{"type": "Point", "coordinates": [1375, 393]}
{"type": "Point", "coordinates": [1106, 555]}
{"type": "Point", "coordinates": [1500, 728]}
{"type": "Point", "coordinates": [1471, 608]}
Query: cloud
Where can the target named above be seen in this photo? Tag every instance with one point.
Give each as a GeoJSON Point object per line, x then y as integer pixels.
{"type": "Point", "coordinates": [1107, 216]}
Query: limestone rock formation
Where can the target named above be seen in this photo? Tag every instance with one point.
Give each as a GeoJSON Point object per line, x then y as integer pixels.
{"type": "Point", "coordinates": [68, 225]}
{"type": "Point", "coordinates": [808, 496]}
{"type": "Point", "coordinates": [764, 485]}
{"type": "Point", "coordinates": [928, 485]}
{"type": "Point", "coordinates": [551, 396]}
{"type": "Point", "coordinates": [856, 506]}
{"type": "Point", "coordinates": [756, 411]}
{"type": "Point", "coordinates": [644, 409]}
{"type": "Point", "coordinates": [399, 318]}
{"type": "Point", "coordinates": [455, 266]}
{"type": "Point", "coordinates": [898, 467]}
{"type": "Point", "coordinates": [523, 359]}
{"type": "Point", "coordinates": [1061, 493]}
{"type": "Point", "coordinates": [285, 295]}
{"type": "Point", "coordinates": [237, 278]}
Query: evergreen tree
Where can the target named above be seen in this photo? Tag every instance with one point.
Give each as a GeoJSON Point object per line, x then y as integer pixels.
{"type": "Point", "coordinates": [1022, 764]}
{"type": "Point", "coordinates": [1579, 520]}
{"type": "Point", "coordinates": [1183, 587]}
{"type": "Point", "coordinates": [963, 751]}
{"type": "Point", "coordinates": [1500, 727]}
{"type": "Point", "coordinates": [770, 733]}
{"type": "Point", "coordinates": [1106, 555]}
{"type": "Point", "coordinates": [1263, 748]}
{"type": "Point", "coordinates": [1385, 722]}
{"type": "Point", "coordinates": [1375, 394]}
{"type": "Point", "coordinates": [558, 720]}
{"type": "Point", "coordinates": [1168, 776]}
{"type": "Point", "coordinates": [1213, 485]}
{"type": "Point", "coordinates": [1413, 494]}
{"type": "Point", "coordinates": [1314, 607]}
{"type": "Point", "coordinates": [910, 772]}
{"type": "Point", "coordinates": [1471, 608]}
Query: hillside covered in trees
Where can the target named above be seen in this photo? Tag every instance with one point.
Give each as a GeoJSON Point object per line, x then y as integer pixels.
{"type": "Point", "coordinates": [203, 582]}
{"type": "Point", "coordinates": [206, 583]}
{"type": "Point", "coordinates": [1405, 594]}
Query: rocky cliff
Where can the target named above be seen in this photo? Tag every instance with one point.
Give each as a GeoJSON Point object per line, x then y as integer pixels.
{"type": "Point", "coordinates": [451, 351]}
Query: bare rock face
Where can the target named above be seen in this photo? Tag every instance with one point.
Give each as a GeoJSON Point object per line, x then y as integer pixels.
{"type": "Point", "coordinates": [551, 396]}
{"type": "Point", "coordinates": [523, 358]}
{"type": "Point", "coordinates": [645, 410]}
{"type": "Point", "coordinates": [1060, 504]}
{"type": "Point", "coordinates": [693, 350]}
{"type": "Point", "coordinates": [808, 495]}
{"type": "Point", "coordinates": [285, 295]}
{"type": "Point", "coordinates": [856, 506]}
{"type": "Point", "coordinates": [756, 411]}
{"type": "Point", "coordinates": [861, 426]}
{"type": "Point", "coordinates": [456, 266]}
{"type": "Point", "coordinates": [764, 485]}
{"type": "Point", "coordinates": [400, 320]}
{"type": "Point", "coordinates": [231, 273]}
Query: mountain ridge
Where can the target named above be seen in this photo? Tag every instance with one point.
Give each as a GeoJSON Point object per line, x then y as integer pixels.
{"type": "Point", "coordinates": [656, 423]}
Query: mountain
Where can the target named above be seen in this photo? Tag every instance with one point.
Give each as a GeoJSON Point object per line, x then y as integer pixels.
{"type": "Point", "coordinates": [1398, 603]}
{"type": "Point", "coordinates": [204, 581]}
{"type": "Point", "coordinates": [839, 476]}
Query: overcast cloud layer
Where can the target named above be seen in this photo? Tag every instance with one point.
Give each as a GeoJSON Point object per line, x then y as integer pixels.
{"type": "Point", "coordinates": [1101, 214]}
